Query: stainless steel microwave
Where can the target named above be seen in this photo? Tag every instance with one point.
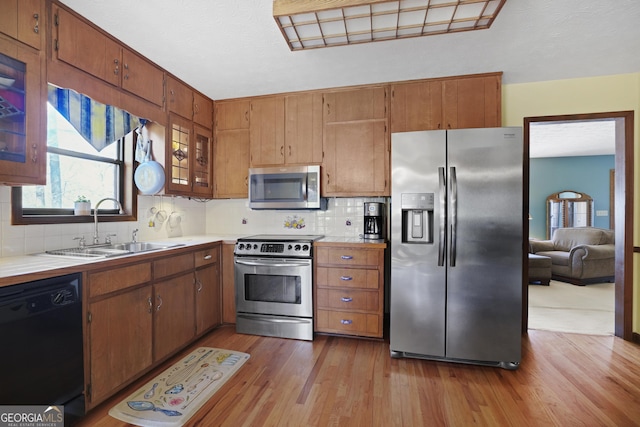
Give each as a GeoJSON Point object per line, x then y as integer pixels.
{"type": "Point", "coordinates": [286, 187]}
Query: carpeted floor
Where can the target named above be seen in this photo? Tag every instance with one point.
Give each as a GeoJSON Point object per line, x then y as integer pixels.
{"type": "Point", "coordinates": [564, 307]}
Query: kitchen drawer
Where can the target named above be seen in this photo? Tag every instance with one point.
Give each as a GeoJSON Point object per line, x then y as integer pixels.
{"type": "Point", "coordinates": [104, 282]}
{"type": "Point", "coordinates": [344, 322]}
{"type": "Point", "coordinates": [171, 265]}
{"type": "Point", "coordinates": [347, 256]}
{"type": "Point", "coordinates": [207, 256]}
{"type": "Point", "coordinates": [348, 299]}
{"type": "Point", "coordinates": [347, 278]}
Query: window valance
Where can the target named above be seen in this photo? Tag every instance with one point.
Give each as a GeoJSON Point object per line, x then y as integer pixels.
{"type": "Point", "coordinates": [98, 123]}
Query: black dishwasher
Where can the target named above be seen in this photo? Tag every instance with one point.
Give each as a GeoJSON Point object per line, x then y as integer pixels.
{"type": "Point", "coordinates": [41, 361]}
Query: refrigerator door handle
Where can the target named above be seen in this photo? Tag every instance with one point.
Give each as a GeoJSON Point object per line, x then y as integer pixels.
{"type": "Point", "coordinates": [441, 227]}
{"type": "Point", "coordinates": [454, 215]}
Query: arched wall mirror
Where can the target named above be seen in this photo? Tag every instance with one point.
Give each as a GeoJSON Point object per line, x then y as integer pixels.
{"type": "Point", "coordinates": [568, 209]}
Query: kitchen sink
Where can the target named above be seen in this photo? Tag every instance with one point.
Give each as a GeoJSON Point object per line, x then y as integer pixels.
{"type": "Point", "coordinates": [111, 250]}
{"type": "Point", "coordinates": [141, 246]}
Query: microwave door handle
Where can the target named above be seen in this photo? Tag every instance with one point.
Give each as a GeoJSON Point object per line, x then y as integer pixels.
{"type": "Point", "coordinates": [304, 187]}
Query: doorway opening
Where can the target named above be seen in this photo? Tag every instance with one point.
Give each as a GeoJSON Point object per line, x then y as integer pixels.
{"type": "Point", "coordinates": [620, 210]}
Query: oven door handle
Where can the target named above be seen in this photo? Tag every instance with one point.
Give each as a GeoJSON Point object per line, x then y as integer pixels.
{"type": "Point", "coordinates": [267, 263]}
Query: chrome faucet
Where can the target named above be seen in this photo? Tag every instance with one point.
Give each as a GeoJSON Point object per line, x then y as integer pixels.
{"type": "Point", "coordinates": [134, 236]}
{"type": "Point", "coordinates": [95, 217]}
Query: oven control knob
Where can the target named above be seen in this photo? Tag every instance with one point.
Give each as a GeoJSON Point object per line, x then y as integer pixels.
{"type": "Point", "coordinates": [255, 246]}
{"type": "Point", "coordinates": [305, 247]}
{"type": "Point", "coordinates": [290, 247]}
{"type": "Point", "coordinates": [241, 246]}
{"type": "Point", "coordinates": [297, 247]}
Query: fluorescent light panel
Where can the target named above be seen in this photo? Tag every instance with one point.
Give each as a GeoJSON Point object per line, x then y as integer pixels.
{"type": "Point", "coordinates": [310, 24]}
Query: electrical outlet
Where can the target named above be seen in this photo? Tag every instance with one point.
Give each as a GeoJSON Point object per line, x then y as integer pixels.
{"type": "Point", "coordinates": [602, 213]}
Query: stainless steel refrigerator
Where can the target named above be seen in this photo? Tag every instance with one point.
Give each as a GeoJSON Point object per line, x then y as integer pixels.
{"type": "Point", "coordinates": [456, 245]}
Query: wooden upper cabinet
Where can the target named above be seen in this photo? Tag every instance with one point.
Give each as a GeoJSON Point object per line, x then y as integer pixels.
{"type": "Point", "coordinates": [266, 130]}
{"type": "Point", "coordinates": [232, 115]}
{"type": "Point", "coordinates": [355, 104]}
{"type": "Point", "coordinates": [23, 158]}
{"type": "Point", "coordinates": [356, 161]}
{"type": "Point", "coordinates": [79, 44]}
{"type": "Point", "coordinates": [202, 153]}
{"type": "Point", "coordinates": [142, 78]}
{"type": "Point", "coordinates": [303, 128]}
{"type": "Point", "coordinates": [83, 46]}
{"type": "Point", "coordinates": [355, 143]}
{"type": "Point", "coordinates": [454, 103]}
{"type": "Point", "coordinates": [179, 98]}
{"type": "Point", "coordinates": [231, 149]}
{"type": "Point", "coordinates": [416, 106]}
{"type": "Point", "coordinates": [23, 20]}
{"type": "Point", "coordinates": [473, 102]}
{"type": "Point", "coordinates": [202, 110]}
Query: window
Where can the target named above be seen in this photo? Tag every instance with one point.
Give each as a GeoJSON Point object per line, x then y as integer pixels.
{"type": "Point", "coordinates": [75, 168]}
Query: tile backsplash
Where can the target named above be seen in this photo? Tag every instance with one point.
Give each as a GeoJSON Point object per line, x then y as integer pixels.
{"type": "Point", "coordinates": [342, 218]}
{"type": "Point", "coordinates": [182, 217]}
{"type": "Point", "coordinates": [163, 216]}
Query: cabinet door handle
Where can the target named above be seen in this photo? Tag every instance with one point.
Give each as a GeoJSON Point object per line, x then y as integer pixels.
{"type": "Point", "coordinates": [346, 321]}
{"type": "Point", "coordinates": [346, 278]}
{"type": "Point", "coordinates": [346, 299]}
{"type": "Point", "coordinates": [36, 27]}
{"type": "Point", "coordinates": [150, 304]}
{"type": "Point", "coordinates": [160, 304]}
{"type": "Point", "coordinates": [199, 283]}
{"type": "Point", "coordinates": [346, 257]}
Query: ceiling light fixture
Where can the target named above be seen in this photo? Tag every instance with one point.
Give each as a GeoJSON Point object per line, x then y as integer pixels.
{"type": "Point", "coordinates": [309, 24]}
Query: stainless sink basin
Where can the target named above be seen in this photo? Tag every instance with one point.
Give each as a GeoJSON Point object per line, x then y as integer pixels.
{"type": "Point", "coordinates": [112, 250]}
{"type": "Point", "coordinates": [141, 246]}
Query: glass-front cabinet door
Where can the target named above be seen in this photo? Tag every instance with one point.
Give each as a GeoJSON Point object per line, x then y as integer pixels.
{"type": "Point", "coordinates": [22, 146]}
{"type": "Point", "coordinates": [190, 159]}
{"type": "Point", "coordinates": [179, 156]}
{"type": "Point", "coordinates": [202, 172]}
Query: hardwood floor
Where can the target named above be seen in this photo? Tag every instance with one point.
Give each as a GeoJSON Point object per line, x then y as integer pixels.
{"type": "Point", "coordinates": [563, 380]}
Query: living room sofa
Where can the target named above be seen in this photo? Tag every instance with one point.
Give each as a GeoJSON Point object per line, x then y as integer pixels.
{"type": "Point", "coordinates": [579, 255]}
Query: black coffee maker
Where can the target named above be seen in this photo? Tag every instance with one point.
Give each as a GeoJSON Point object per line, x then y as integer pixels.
{"type": "Point", "coordinates": [374, 220]}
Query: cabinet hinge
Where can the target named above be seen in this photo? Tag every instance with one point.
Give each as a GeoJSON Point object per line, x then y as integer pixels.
{"type": "Point", "coordinates": [56, 44]}
{"type": "Point", "coordinates": [88, 392]}
{"type": "Point", "coordinates": [56, 22]}
{"type": "Point", "coordinates": [89, 317]}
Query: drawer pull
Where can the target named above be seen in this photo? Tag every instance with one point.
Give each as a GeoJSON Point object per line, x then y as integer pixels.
{"type": "Point", "coordinates": [208, 257]}
{"type": "Point", "coordinates": [346, 257]}
{"type": "Point", "coordinates": [346, 299]}
{"type": "Point", "coordinates": [346, 278]}
{"type": "Point", "coordinates": [346, 321]}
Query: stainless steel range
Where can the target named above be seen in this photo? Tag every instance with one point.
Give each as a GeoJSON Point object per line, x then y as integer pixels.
{"type": "Point", "coordinates": [273, 281]}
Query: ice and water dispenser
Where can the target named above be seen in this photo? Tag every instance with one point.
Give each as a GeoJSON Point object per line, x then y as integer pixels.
{"type": "Point", "coordinates": [417, 217]}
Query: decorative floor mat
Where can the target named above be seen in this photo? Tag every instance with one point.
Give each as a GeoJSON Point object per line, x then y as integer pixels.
{"type": "Point", "coordinates": [171, 398]}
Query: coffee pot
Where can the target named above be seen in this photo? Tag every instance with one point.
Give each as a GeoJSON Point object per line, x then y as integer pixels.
{"type": "Point", "coordinates": [374, 220]}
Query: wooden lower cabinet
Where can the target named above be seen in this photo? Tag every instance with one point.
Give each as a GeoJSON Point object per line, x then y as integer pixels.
{"type": "Point", "coordinates": [173, 318]}
{"type": "Point", "coordinates": [208, 294]}
{"type": "Point", "coordinates": [228, 284]}
{"type": "Point", "coordinates": [141, 313]}
{"type": "Point", "coordinates": [120, 347]}
{"type": "Point", "coordinates": [349, 289]}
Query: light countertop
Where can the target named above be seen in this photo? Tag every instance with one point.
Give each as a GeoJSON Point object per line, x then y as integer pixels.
{"type": "Point", "coordinates": [24, 268]}
{"type": "Point", "coordinates": [41, 265]}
